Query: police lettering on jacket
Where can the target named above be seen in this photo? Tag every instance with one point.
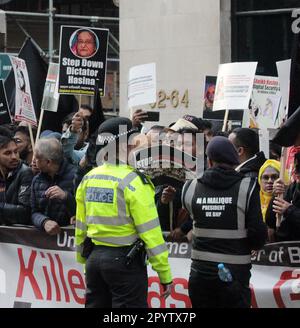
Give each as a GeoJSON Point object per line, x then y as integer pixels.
{"type": "Point", "coordinates": [101, 195]}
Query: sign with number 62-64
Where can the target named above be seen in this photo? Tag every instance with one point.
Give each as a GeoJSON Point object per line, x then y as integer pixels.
{"type": "Point", "coordinates": [173, 99]}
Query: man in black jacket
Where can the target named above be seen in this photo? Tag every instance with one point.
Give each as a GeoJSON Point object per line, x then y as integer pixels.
{"type": "Point", "coordinates": [246, 141]}
{"type": "Point", "coordinates": [228, 224]}
{"type": "Point", "coordinates": [15, 182]}
{"type": "Point", "coordinates": [52, 197]}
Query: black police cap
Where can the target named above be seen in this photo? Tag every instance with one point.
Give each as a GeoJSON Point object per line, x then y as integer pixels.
{"type": "Point", "coordinates": [114, 128]}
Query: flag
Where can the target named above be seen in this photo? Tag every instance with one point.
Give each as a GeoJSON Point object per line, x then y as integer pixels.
{"type": "Point", "coordinates": [97, 116]}
{"type": "Point", "coordinates": [288, 135]}
{"type": "Point", "coordinates": [37, 69]}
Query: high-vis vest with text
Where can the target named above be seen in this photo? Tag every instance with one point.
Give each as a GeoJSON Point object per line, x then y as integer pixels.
{"type": "Point", "coordinates": [114, 208]}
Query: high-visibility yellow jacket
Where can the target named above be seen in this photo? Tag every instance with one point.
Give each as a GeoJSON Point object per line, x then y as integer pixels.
{"type": "Point", "coordinates": [114, 208]}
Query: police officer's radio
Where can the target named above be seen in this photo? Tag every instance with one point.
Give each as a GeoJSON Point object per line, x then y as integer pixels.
{"type": "Point", "coordinates": [136, 249]}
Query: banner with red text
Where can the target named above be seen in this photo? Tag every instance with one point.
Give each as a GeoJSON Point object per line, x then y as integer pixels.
{"type": "Point", "coordinates": [39, 271]}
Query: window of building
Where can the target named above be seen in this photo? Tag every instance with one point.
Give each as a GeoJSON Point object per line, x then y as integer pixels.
{"type": "Point", "coordinates": [265, 37]}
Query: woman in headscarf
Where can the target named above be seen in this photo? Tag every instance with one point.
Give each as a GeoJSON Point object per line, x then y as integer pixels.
{"type": "Point", "coordinates": [268, 173]}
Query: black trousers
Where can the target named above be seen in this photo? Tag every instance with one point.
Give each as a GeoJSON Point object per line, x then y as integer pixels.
{"type": "Point", "coordinates": [214, 293]}
{"type": "Point", "coordinates": [112, 284]}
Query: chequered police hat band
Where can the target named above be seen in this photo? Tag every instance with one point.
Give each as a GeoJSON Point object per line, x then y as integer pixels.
{"type": "Point", "coordinates": [107, 139]}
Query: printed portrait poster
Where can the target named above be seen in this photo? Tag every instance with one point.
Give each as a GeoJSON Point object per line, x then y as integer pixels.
{"type": "Point", "coordinates": [216, 117]}
{"type": "Point", "coordinates": [5, 117]}
{"type": "Point", "coordinates": [82, 60]}
{"type": "Point", "coordinates": [209, 93]}
{"type": "Point", "coordinates": [51, 95]}
{"type": "Point", "coordinates": [234, 86]}
{"type": "Point", "coordinates": [24, 109]}
{"type": "Point", "coordinates": [265, 103]}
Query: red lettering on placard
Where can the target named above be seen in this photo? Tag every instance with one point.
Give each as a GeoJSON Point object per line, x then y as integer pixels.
{"type": "Point", "coordinates": [52, 268]}
{"type": "Point", "coordinates": [154, 294]}
{"type": "Point", "coordinates": [48, 284]}
{"type": "Point", "coordinates": [285, 276]}
{"type": "Point", "coordinates": [74, 286]}
{"type": "Point", "coordinates": [180, 297]}
{"type": "Point", "coordinates": [27, 272]}
{"type": "Point", "coordinates": [253, 297]}
{"type": "Point", "coordinates": [62, 278]}
{"type": "Point", "coordinates": [44, 272]}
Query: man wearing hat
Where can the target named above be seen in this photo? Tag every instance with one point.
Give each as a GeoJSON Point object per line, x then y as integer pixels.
{"type": "Point", "coordinates": [116, 211]}
{"type": "Point", "coordinates": [228, 224]}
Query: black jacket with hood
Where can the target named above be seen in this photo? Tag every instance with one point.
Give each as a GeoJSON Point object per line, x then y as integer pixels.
{"type": "Point", "coordinates": [221, 179]}
{"type": "Point", "coordinates": [15, 196]}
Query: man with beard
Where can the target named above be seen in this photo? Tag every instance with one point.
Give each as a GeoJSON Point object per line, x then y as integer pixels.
{"type": "Point", "coordinates": [22, 139]}
{"type": "Point", "coordinates": [15, 182]}
{"type": "Point", "coordinates": [246, 142]}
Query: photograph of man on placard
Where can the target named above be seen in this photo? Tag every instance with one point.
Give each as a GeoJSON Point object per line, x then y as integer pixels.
{"type": "Point", "coordinates": [84, 43]}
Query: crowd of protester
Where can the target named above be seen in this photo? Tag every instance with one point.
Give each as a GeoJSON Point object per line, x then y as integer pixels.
{"type": "Point", "coordinates": [38, 184]}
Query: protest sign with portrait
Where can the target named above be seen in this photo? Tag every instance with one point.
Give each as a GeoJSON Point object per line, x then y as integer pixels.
{"type": "Point", "coordinates": [24, 105]}
{"type": "Point", "coordinates": [82, 60]}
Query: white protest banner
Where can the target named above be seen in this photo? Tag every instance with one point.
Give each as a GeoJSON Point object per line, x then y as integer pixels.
{"type": "Point", "coordinates": [142, 85]}
{"type": "Point", "coordinates": [40, 271]}
{"type": "Point", "coordinates": [234, 86]}
{"type": "Point", "coordinates": [274, 283]}
{"type": "Point", "coordinates": [51, 95]}
{"type": "Point", "coordinates": [24, 109]}
{"type": "Point", "coordinates": [284, 71]}
{"type": "Point", "coordinates": [265, 103]}
{"type": "Point", "coordinates": [82, 60]}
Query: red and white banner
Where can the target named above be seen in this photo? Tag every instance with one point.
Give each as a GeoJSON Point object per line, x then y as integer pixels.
{"type": "Point", "coordinates": [37, 270]}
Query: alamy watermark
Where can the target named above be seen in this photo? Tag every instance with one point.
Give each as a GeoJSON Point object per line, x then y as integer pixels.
{"type": "Point", "coordinates": [164, 150]}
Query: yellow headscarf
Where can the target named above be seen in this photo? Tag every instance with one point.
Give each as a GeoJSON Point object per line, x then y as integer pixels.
{"type": "Point", "coordinates": [265, 197]}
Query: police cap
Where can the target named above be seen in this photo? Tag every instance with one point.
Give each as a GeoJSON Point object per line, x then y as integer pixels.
{"type": "Point", "coordinates": [113, 128]}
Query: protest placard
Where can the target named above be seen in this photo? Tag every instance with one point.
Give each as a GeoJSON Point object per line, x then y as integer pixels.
{"type": "Point", "coordinates": [284, 71]}
{"type": "Point", "coordinates": [51, 95]}
{"type": "Point", "coordinates": [217, 117]}
{"type": "Point", "coordinates": [24, 109]}
{"type": "Point", "coordinates": [265, 103]}
{"type": "Point", "coordinates": [82, 59]}
{"type": "Point", "coordinates": [234, 86]}
{"type": "Point", "coordinates": [142, 85]}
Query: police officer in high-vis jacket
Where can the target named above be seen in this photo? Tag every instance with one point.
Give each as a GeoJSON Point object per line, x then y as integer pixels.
{"type": "Point", "coordinates": [227, 225]}
{"type": "Point", "coordinates": [115, 208]}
